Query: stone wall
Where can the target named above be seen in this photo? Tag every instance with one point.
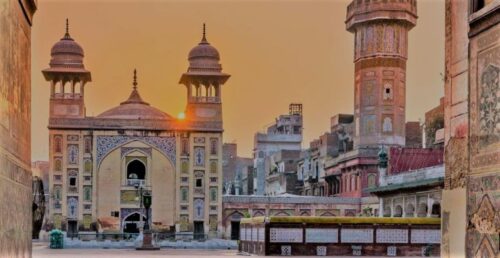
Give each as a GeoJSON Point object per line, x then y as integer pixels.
{"type": "Point", "coordinates": [15, 124]}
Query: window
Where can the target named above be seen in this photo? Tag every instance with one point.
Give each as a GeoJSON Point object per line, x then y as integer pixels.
{"type": "Point", "coordinates": [199, 182]}
{"type": "Point", "coordinates": [371, 180]}
{"type": "Point", "coordinates": [136, 170]}
{"type": "Point", "coordinates": [57, 193]}
{"type": "Point", "coordinates": [184, 194]}
{"type": "Point", "coordinates": [213, 146]}
{"type": "Point", "coordinates": [87, 194]}
{"type": "Point", "coordinates": [387, 91]}
{"type": "Point", "coordinates": [213, 180]}
{"type": "Point", "coordinates": [185, 146]}
{"type": "Point", "coordinates": [58, 143]}
{"type": "Point", "coordinates": [58, 165]}
{"type": "Point", "coordinates": [387, 125]}
{"type": "Point", "coordinates": [88, 166]}
{"type": "Point", "coordinates": [88, 144]}
{"type": "Point", "coordinates": [184, 179]}
{"type": "Point", "coordinates": [184, 166]}
{"type": "Point", "coordinates": [72, 181]}
{"type": "Point", "coordinates": [213, 166]}
{"type": "Point", "coordinates": [213, 194]}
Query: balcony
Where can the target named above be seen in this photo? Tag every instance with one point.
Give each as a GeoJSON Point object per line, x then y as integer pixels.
{"type": "Point", "coordinates": [136, 182]}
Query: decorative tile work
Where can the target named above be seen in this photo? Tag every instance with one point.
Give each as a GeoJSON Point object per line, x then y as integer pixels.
{"type": "Point", "coordinates": [392, 250]}
{"type": "Point", "coordinates": [199, 140]}
{"type": "Point", "coordinates": [106, 144]}
{"type": "Point", "coordinates": [356, 235]}
{"type": "Point", "coordinates": [261, 234]}
{"type": "Point", "coordinates": [322, 235]}
{"type": "Point", "coordinates": [72, 138]}
{"type": "Point", "coordinates": [357, 250]}
{"type": "Point", "coordinates": [199, 156]}
{"type": "Point", "coordinates": [127, 150]}
{"type": "Point", "coordinates": [286, 250]}
{"type": "Point", "coordinates": [72, 154]}
{"type": "Point", "coordinates": [321, 250]}
{"type": "Point", "coordinates": [198, 209]}
{"type": "Point", "coordinates": [391, 236]}
{"type": "Point", "coordinates": [243, 234]}
{"type": "Point", "coordinates": [425, 236]}
{"type": "Point", "coordinates": [285, 235]}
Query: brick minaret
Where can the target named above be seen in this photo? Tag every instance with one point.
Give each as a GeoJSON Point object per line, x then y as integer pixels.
{"type": "Point", "coordinates": [380, 30]}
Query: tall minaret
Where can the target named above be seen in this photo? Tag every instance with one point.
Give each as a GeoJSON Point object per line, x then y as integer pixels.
{"type": "Point", "coordinates": [203, 80]}
{"type": "Point", "coordinates": [67, 76]}
{"type": "Point", "coordinates": [381, 47]}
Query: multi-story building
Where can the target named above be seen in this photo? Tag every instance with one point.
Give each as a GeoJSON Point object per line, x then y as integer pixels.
{"type": "Point", "coordinates": [99, 166]}
{"type": "Point", "coordinates": [284, 134]}
{"type": "Point", "coordinates": [233, 167]}
{"type": "Point", "coordinates": [281, 168]}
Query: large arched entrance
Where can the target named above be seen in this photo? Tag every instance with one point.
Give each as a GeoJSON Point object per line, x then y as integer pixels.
{"type": "Point", "coordinates": [132, 223]}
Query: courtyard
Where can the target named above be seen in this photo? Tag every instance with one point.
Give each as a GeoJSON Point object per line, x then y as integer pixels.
{"type": "Point", "coordinates": [40, 250]}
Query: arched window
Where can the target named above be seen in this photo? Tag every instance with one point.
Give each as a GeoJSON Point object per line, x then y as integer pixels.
{"type": "Point", "coordinates": [185, 146]}
{"type": "Point", "coordinates": [353, 182]}
{"type": "Point", "coordinates": [184, 194]}
{"type": "Point", "coordinates": [213, 194]}
{"type": "Point", "coordinates": [213, 146]}
{"type": "Point", "coordinates": [57, 165]}
{"type": "Point", "coordinates": [371, 180]}
{"type": "Point", "coordinates": [422, 210]}
{"type": "Point", "coordinates": [184, 166]}
{"type": "Point", "coordinates": [88, 166]}
{"type": "Point", "coordinates": [213, 166]}
{"type": "Point", "coordinates": [57, 144]}
{"type": "Point", "coordinates": [387, 126]}
{"type": "Point", "coordinates": [87, 193]}
{"type": "Point", "coordinates": [398, 211]}
{"type": "Point", "coordinates": [436, 210]}
{"type": "Point", "coordinates": [410, 210]}
{"type": "Point", "coordinates": [136, 170]}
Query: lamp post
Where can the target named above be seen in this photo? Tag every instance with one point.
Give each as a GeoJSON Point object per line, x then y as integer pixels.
{"type": "Point", "coordinates": [140, 189]}
{"type": "Point", "coordinates": [147, 239]}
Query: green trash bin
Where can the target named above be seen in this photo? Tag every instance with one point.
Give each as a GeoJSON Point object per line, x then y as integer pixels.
{"type": "Point", "coordinates": [56, 239]}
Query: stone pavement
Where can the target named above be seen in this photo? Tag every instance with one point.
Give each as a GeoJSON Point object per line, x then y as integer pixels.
{"type": "Point", "coordinates": [40, 250]}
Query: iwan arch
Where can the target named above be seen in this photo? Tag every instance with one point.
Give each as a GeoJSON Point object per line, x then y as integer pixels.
{"type": "Point", "coordinates": [100, 165]}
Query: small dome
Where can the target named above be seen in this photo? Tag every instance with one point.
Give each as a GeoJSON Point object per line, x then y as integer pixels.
{"type": "Point", "coordinates": [135, 108]}
{"type": "Point", "coordinates": [204, 57]}
{"type": "Point", "coordinates": [204, 50]}
{"type": "Point", "coordinates": [67, 53]}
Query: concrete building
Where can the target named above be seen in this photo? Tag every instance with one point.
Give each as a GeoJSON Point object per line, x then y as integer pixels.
{"type": "Point", "coordinates": [233, 168]}
{"type": "Point", "coordinates": [99, 166]}
{"type": "Point", "coordinates": [16, 19]}
{"type": "Point", "coordinates": [434, 120]}
{"type": "Point", "coordinates": [281, 177]}
{"type": "Point", "coordinates": [284, 134]}
{"type": "Point", "coordinates": [471, 202]}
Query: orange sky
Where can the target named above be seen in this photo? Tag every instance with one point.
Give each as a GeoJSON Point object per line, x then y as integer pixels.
{"type": "Point", "coordinates": [277, 52]}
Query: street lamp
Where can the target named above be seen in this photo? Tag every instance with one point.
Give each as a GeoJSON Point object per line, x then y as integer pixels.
{"type": "Point", "coordinates": [140, 189]}
{"type": "Point", "coordinates": [145, 199]}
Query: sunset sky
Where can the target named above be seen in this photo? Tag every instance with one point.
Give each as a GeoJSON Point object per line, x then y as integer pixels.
{"type": "Point", "coordinates": [277, 52]}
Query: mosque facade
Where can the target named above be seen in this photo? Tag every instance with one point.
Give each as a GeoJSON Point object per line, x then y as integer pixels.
{"type": "Point", "coordinates": [100, 166]}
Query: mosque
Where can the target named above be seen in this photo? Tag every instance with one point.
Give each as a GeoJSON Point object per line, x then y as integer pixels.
{"type": "Point", "coordinates": [101, 165]}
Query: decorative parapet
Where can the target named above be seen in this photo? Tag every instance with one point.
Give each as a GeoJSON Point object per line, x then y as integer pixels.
{"type": "Point", "coordinates": [290, 199]}
{"type": "Point", "coordinates": [359, 11]}
{"type": "Point", "coordinates": [94, 123]}
{"type": "Point", "coordinates": [416, 175]}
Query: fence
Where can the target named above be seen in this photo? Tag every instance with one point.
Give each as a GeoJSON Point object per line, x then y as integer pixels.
{"type": "Point", "coordinates": [340, 236]}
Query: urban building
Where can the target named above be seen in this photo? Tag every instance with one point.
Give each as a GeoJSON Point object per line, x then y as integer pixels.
{"type": "Point", "coordinates": [410, 182]}
{"type": "Point", "coordinates": [434, 121]}
{"type": "Point", "coordinates": [281, 177]}
{"type": "Point", "coordinates": [100, 166]}
{"type": "Point", "coordinates": [233, 169]}
{"type": "Point", "coordinates": [16, 200]}
{"type": "Point", "coordinates": [40, 171]}
{"type": "Point", "coordinates": [284, 134]}
{"type": "Point", "coordinates": [471, 196]}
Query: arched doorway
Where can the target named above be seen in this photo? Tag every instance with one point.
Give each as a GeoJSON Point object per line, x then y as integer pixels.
{"type": "Point", "coordinates": [136, 173]}
{"type": "Point", "coordinates": [235, 225]}
{"type": "Point", "coordinates": [131, 224]}
{"type": "Point", "coordinates": [436, 210]}
{"type": "Point", "coordinates": [398, 211]}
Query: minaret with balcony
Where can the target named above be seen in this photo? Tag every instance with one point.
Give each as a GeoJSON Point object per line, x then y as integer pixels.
{"type": "Point", "coordinates": [67, 76]}
{"type": "Point", "coordinates": [203, 80]}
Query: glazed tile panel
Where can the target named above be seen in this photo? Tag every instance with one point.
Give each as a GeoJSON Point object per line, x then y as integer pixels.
{"type": "Point", "coordinates": [361, 235]}
{"type": "Point", "coordinates": [426, 236]}
{"type": "Point", "coordinates": [392, 236]}
{"type": "Point", "coordinates": [322, 235]}
{"type": "Point", "coordinates": [285, 235]}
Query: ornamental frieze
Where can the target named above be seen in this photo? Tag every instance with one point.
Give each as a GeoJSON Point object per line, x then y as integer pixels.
{"type": "Point", "coordinates": [105, 144]}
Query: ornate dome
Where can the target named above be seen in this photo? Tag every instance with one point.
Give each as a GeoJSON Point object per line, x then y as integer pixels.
{"type": "Point", "coordinates": [204, 57]}
{"type": "Point", "coordinates": [135, 108]}
{"type": "Point", "coordinates": [67, 53]}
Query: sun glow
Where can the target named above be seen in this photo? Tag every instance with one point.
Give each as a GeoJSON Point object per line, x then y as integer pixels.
{"type": "Point", "coordinates": [181, 116]}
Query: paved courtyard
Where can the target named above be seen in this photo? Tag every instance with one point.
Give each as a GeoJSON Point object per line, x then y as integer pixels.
{"type": "Point", "coordinates": [41, 251]}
